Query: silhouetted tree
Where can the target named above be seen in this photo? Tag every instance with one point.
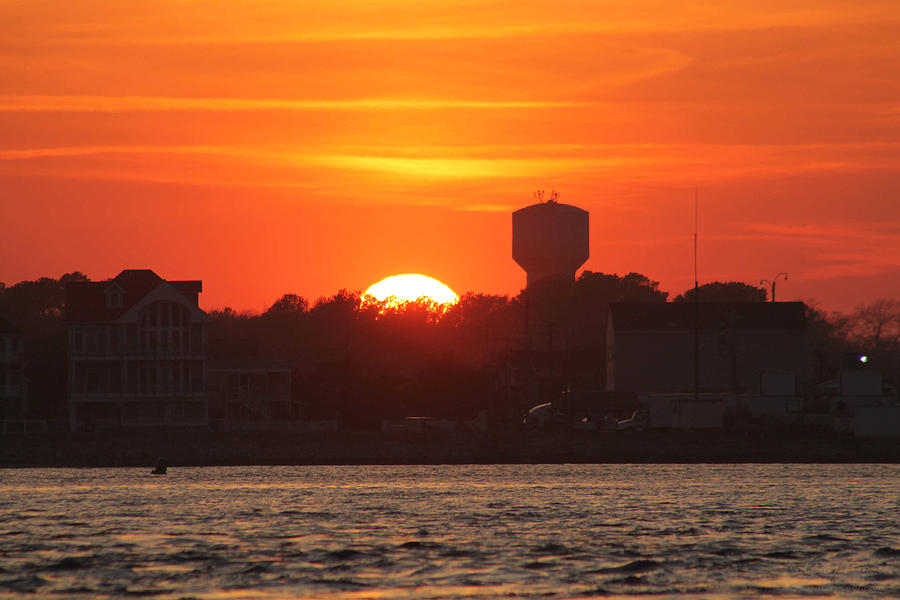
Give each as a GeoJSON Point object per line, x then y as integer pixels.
{"type": "Point", "coordinates": [36, 307]}
{"type": "Point", "coordinates": [594, 292]}
{"type": "Point", "coordinates": [39, 298]}
{"type": "Point", "coordinates": [288, 304]}
{"type": "Point", "coordinates": [828, 341]}
{"type": "Point", "coordinates": [605, 288]}
{"type": "Point", "coordinates": [728, 291]}
{"type": "Point", "coordinates": [876, 325]}
{"type": "Point", "coordinates": [875, 329]}
{"type": "Point", "coordinates": [483, 327]}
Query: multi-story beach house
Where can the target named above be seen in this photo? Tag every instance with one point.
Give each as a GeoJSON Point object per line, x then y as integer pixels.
{"type": "Point", "coordinates": [137, 352]}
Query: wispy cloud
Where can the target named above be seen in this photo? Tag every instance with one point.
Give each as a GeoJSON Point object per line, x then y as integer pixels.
{"type": "Point", "coordinates": [160, 103]}
{"type": "Point", "coordinates": [270, 164]}
{"type": "Point", "coordinates": [821, 235]}
{"type": "Point", "coordinates": [75, 151]}
{"type": "Point", "coordinates": [837, 250]}
{"type": "Point", "coordinates": [472, 168]}
{"type": "Point", "coordinates": [207, 22]}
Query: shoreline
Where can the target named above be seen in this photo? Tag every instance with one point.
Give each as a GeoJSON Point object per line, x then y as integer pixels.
{"type": "Point", "coordinates": [193, 448]}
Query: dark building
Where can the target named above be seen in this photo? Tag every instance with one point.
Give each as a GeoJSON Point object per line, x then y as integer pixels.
{"type": "Point", "coordinates": [137, 352]}
{"type": "Point", "coordinates": [251, 389]}
{"type": "Point", "coordinates": [650, 345]}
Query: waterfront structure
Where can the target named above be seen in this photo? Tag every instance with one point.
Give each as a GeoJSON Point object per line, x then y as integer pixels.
{"type": "Point", "coordinates": [251, 389]}
{"type": "Point", "coordinates": [13, 385]}
{"type": "Point", "coordinates": [650, 346]}
{"type": "Point", "coordinates": [137, 352]}
{"type": "Point", "coordinates": [862, 403]}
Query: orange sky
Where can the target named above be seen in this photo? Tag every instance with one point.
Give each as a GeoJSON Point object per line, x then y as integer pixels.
{"type": "Point", "coordinates": [272, 147]}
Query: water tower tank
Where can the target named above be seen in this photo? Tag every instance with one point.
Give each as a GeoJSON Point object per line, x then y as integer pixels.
{"type": "Point", "coordinates": [550, 239]}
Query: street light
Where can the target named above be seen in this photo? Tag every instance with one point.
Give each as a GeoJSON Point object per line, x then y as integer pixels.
{"type": "Point", "coordinates": [772, 282]}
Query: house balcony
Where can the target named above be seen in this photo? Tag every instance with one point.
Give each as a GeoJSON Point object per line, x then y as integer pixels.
{"type": "Point", "coordinates": [10, 357]}
{"type": "Point", "coordinates": [141, 393]}
{"type": "Point", "coordinates": [10, 390]}
{"type": "Point", "coordinates": [135, 353]}
{"type": "Point", "coordinates": [129, 421]}
{"type": "Point", "coordinates": [280, 393]}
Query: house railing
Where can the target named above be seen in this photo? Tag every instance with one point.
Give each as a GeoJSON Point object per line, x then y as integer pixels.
{"type": "Point", "coordinates": [10, 390]}
{"type": "Point", "coordinates": [135, 351]}
{"type": "Point", "coordinates": [10, 426]}
{"type": "Point", "coordinates": [146, 390]}
{"type": "Point", "coordinates": [8, 356]}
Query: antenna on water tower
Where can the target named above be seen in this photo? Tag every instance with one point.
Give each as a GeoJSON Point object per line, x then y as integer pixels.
{"type": "Point", "coordinates": [538, 196]}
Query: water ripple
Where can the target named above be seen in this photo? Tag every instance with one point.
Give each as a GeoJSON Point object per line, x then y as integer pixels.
{"type": "Point", "coordinates": [473, 532]}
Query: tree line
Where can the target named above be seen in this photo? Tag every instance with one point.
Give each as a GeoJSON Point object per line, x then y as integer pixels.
{"type": "Point", "coordinates": [363, 361]}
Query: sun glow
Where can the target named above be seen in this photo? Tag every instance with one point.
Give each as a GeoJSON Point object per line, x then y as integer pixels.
{"type": "Point", "coordinates": [411, 287]}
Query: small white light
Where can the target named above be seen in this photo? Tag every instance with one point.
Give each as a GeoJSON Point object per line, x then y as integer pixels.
{"type": "Point", "coordinates": [863, 358]}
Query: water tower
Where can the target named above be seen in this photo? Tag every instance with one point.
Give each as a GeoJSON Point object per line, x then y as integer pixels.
{"type": "Point", "coordinates": [550, 239]}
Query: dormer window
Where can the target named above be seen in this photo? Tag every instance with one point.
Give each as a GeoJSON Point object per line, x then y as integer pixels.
{"type": "Point", "coordinates": [114, 296]}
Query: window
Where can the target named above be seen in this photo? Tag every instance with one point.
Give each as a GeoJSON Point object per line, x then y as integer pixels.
{"type": "Point", "coordinates": [97, 380]}
{"type": "Point", "coordinates": [97, 340]}
{"type": "Point", "coordinates": [165, 328]}
{"type": "Point", "coordinates": [113, 296]}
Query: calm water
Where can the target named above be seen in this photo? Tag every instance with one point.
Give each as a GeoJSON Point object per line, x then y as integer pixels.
{"type": "Point", "coordinates": [452, 532]}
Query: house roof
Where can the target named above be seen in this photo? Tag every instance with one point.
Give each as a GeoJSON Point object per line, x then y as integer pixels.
{"type": "Point", "coordinates": [86, 300]}
{"type": "Point", "coordinates": [679, 316]}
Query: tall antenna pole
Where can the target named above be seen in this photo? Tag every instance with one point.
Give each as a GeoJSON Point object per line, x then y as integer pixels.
{"type": "Point", "coordinates": [696, 300]}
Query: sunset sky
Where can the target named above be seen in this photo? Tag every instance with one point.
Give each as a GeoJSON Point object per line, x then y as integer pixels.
{"type": "Point", "coordinates": [291, 146]}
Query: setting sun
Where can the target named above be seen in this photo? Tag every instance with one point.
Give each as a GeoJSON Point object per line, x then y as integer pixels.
{"type": "Point", "coordinates": [410, 287]}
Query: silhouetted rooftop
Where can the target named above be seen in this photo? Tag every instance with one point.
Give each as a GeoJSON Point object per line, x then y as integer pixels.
{"type": "Point", "coordinates": [86, 300]}
{"type": "Point", "coordinates": [678, 316]}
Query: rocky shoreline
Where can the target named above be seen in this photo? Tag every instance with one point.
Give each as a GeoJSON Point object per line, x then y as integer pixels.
{"type": "Point", "coordinates": [204, 448]}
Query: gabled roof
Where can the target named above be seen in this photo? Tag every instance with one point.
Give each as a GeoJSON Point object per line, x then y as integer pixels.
{"type": "Point", "coordinates": [718, 316]}
{"type": "Point", "coordinates": [86, 300]}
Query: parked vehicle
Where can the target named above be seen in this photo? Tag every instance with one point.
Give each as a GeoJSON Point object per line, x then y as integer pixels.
{"type": "Point", "coordinates": [636, 422]}
{"type": "Point", "coordinates": [539, 416]}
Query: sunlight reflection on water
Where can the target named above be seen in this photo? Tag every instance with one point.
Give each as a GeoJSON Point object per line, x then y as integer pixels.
{"type": "Point", "coordinates": [556, 531]}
